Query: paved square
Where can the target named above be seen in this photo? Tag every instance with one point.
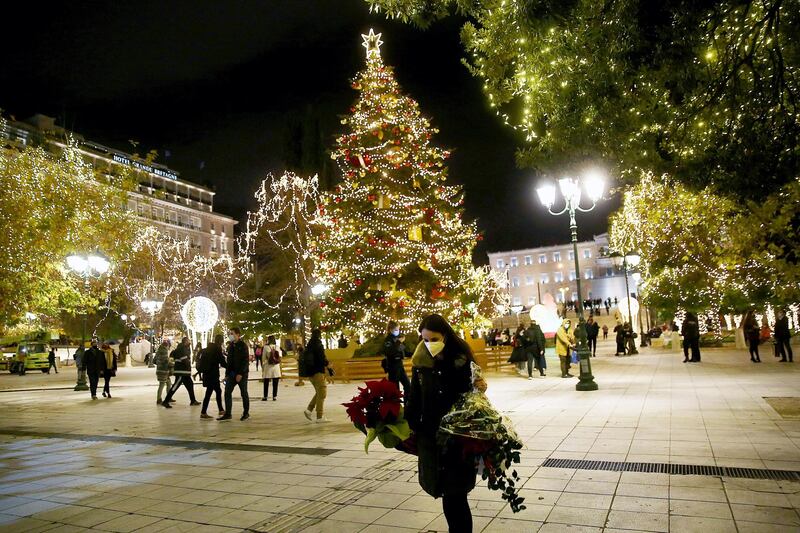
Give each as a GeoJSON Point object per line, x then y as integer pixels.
{"type": "Point", "coordinates": [68, 463]}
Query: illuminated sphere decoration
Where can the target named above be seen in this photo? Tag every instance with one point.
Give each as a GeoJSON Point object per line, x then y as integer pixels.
{"type": "Point", "coordinates": [200, 315]}
{"type": "Point", "coordinates": [546, 317]}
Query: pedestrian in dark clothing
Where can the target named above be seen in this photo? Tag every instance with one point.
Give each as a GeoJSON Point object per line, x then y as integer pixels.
{"type": "Point", "coordinates": [690, 329]}
{"type": "Point", "coordinates": [51, 360]}
{"type": "Point", "coordinates": [619, 332]}
{"type": "Point", "coordinates": [534, 349]}
{"type": "Point", "coordinates": [752, 334]}
{"type": "Point", "coordinates": [441, 372]}
{"type": "Point", "coordinates": [212, 357]}
{"type": "Point", "coordinates": [393, 354]}
{"type": "Point", "coordinates": [95, 362]}
{"type": "Point", "coordinates": [258, 353]}
{"type": "Point", "coordinates": [592, 331]}
{"type": "Point", "coordinates": [236, 374]}
{"type": "Point", "coordinates": [605, 331]}
{"type": "Point", "coordinates": [783, 337]}
{"type": "Point", "coordinates": [182, 355]}
{"type": "Point", "coordinates": [342, 343]}
{"type": "Point", "coordinates": [110, 369]}
{"type": "Point", "coordinates": [316, 364]}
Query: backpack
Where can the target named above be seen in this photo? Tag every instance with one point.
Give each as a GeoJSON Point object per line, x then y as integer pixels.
{"type": "Point", "coordinates": [305, 363]}
{"type": "Point", "coordinates": [274, 357]}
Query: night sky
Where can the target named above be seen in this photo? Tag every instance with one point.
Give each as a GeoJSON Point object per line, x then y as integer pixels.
{"type": "Point", "coordinates": [217, 83]}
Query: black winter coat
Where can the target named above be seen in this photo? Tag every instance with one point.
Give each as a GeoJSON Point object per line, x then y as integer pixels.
{"type": "Point", "coordinates": [434, 390]}
{"type": "Point", "coordinates": [690, 329]}
{"type": "Point", "coordinates": [592, 330]}
{"type": "Point", "coordinates": [238, 359]}
{"type": "Point", "coordinates": [211, 359]}
{"type": "Point", "coordinates": [535, 339]}
{"type": "Point", "coordinates": [183, 359]}
{"type": "Point", "coordinates": [319, 359]}
{"type": "Point", "coordinates": [95, 361]}
{"type": "Point", "coordinates": [782, 328]}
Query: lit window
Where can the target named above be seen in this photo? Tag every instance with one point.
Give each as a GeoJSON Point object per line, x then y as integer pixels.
{"type": "Point", "coordinates": [571, 255]}
{"type": "Point", "coordinates": [528, 280]}
{"type": "Point", "coordinates": [517, 300]}
{"type": "Point", "coordinates": [557, 257]}
{"type": "Point", "coordinates": [531, 300]}
{"type": "Point", "coordinates": [588, 274]}
{"type": "Point", "coordinates": [515, 281]}
{"type": "Point", "coordinates": [542, 259]}
{"type": "Point", "coordinates": [572, 275]}
{"type": "Point", "coordinates": [587, 254]}
{"type": "Point", "coordinates": [545, 278]}
{"type": "Point", "coordinates": [528, 260]}
{"type": "Point", "coordinates": [500, 263]}
{"type": "Point", "coordinates": [514, 262]}
{"type": "Point", "coordinates": [558, 277]}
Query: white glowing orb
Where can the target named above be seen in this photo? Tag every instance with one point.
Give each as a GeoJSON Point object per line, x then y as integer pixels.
{"type": "Point", "coordinates": [199, 314]}
{"type": "Point", "coordinates": [546, 317]}
{"type": "Point", "coordinates": [623, 310]}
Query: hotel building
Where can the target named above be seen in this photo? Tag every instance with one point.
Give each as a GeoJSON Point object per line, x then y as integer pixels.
{"type": "Point", "coordinates": [177, 207]}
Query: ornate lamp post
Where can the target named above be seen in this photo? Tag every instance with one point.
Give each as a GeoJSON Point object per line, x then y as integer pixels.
{"type": "Point", "coordinates": [152, 308]}
{"type": "Point", "coordinates": [87, 267]}
{"type": "Point", "coordinates": [627, 262]}
{"type": "Point", "coordinates": [571, 191]}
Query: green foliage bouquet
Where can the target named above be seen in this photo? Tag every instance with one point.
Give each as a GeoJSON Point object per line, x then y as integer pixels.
{"type": "Point", "coordinates": [480, 430]}
{"type": "Point", "coordinates": [377, 411]}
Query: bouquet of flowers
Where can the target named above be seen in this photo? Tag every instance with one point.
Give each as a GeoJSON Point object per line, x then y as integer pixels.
{"type": "Point", "coordinates": [377, 411]}
{"type": "Point", "coordinates": [480, 430]}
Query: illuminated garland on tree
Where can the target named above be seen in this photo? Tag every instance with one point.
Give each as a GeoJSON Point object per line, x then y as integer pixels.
{"type": "Point", "coordinates": [393, 243]}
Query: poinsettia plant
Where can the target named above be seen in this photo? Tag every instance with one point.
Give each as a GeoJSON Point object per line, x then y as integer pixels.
{"type": "Point", "coordinates": [377, 411]}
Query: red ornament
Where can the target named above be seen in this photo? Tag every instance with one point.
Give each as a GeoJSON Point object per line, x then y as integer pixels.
{"type": "Point", "coordinates": [358, 282]}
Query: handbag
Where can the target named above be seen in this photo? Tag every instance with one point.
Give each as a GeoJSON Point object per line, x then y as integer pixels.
{"type": "Point", "coordinates": [575, 358]}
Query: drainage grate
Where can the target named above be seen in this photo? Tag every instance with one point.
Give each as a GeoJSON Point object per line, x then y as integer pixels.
{"type": "Point", "coordinates": [666, 468]}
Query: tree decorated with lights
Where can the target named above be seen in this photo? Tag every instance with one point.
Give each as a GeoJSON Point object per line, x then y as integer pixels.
{"type": "Point", "coordinates": [393, 243]}
{"type": "Point", "coordinates": [707, 92]}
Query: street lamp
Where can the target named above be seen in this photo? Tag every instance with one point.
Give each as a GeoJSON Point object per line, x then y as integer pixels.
{"type": "Point", "coordinates": [152, 307]}
{"type": "Point", "coordinates": [594, 185]}
{"type": "Point", "coordinates": [627, 262]}
{"type": "Point", "coordinates": [87, 267]}
{"type": "Point", "coordinates": [637, 278]}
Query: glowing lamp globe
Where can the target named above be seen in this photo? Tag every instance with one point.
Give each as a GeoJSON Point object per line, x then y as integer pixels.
{"type": "Point", "coordinates": [546, 317]}
{"type": "Point", "coordinates": [199, 314]}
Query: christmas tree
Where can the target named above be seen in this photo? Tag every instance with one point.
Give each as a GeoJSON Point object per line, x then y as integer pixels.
{"type": "Point", "coordinates": [395, 245]}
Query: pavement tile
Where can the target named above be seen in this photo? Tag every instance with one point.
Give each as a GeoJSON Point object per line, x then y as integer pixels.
{"type": "Point", "coordinates": [334, 526]}
{"type": "Point", "coordinates": [361, 514]}
{"type": "Point", "coordinates": [700, 509]}
{"type": "Point", "coordinates": [127, 523]}
{"type": "Point", "coordinates": [578, 516]}
{"type": "Point", "coordinates": [753, 497]}
{"type": "Point", "coordinates": [589, 501]}
{"type": "Point", "coordinates": [697, 494]}
{"type": "Point", "coordinates": [646, 505]}
{"type": "Point", "coordinates": [405, 518]}
{"type": "Point", "coordinates": [695, 524]}
{"type": "Point", "coordinates": [767, 515]}
{"type": "Point", "coordinates": [507, 525]}
{"type": "Point", "coordinates": [640, 521]}
{"type": "Point", "coordinates": [591, 487]}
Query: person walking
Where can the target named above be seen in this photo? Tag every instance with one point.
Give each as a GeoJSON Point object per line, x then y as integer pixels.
{"type": "Point", "coordinates": [534, 349]}
{"type": "Point", "coordinates": [271, 368]}
{"type": "Point", "coordinates": [316, 363]}
{"type": "Point", "coordinates": [258, 353]}
{"type": "Point", "coordinates": [95, 361]}
{"type": "Point", "coordinates": [393, 354]}
{"type": "Point", "coordinates": [162, 362]}
{"type": "Point", "coordinates": [236, 374]}
{"type": "Point", "coordinates": [51, 360]}
{"type": "Point", "coordinates": [183, 373]}
{"type": "Point", "coordinates": [565, 342]}
{"type": "Point", "coordinates": [752, 334]}
{"type": "Point", "coordinates": [211, 358]}
{"type": "Point", "coordinates": [110, 369]}
{"type": "Point", "coordinates": [619, 337]}
{"type": "Point", "coordinates": [592, 331]}
{"type": "Point", "coordinates": [441, 372]}
{"type": "Point", "coordinates": [783, 337]}
{"type": "Point", "coordinates": [690, 329]}
{"type": "Point", "coordinates": [605, 331]}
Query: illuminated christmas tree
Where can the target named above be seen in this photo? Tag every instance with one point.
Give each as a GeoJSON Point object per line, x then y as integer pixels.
{"type": "Point", "coordinates": [395, 245]}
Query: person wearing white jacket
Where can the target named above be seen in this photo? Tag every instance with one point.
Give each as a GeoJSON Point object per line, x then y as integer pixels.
{"type": "Point", "coordinates": [271, 368]}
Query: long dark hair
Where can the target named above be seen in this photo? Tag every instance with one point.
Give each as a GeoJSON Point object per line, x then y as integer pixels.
{"type": "Point", "coordinates": [454, 345]}
{"type": "Point", "coordinates": [316, 336]}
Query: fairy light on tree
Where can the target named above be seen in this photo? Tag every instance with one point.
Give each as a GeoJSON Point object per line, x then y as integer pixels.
{"type": "Point", "coordinates": [393, 244]}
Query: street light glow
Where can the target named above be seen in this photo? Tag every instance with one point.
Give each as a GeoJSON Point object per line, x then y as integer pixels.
{"type": "Point", "coordinates": [319, 289]}
{"type": "Point", "coordinates": [77, 263]}
{"type": "Point", "coordinates": [595, 184]}
{"type": "Point", "coordinates": [547, 195]}
{"type": "Point", "coordinates": [98, 263]}
{"type": "Point", "coordinates": [571, 190]}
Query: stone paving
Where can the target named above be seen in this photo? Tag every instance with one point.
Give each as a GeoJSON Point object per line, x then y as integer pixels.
{"type": "Point", "coordinates": [68, 463]}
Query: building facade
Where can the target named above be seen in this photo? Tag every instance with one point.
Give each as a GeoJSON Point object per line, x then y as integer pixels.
{"type": "Point", "coordinates": [534, 273]}
{"type": "Point", "coordinates": [177, 207]}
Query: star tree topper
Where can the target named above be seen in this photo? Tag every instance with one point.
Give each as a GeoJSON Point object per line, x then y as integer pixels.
{"type": "Point", "coordinates": [372, 42]}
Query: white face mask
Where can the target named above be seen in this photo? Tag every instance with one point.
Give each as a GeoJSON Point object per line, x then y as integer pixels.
{"type": "Point", "coordinates": [232, 337]}
{"type": "Point", "coordinates": [396, 332]}
{"type": "Point", "coordinates": [434, 347]}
